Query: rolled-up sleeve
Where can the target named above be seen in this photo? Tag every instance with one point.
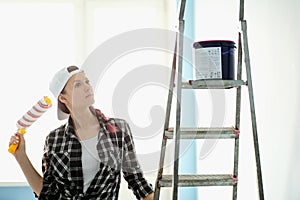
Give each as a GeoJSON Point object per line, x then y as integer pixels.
{"type": "Point", "coordinates": [131, 169]}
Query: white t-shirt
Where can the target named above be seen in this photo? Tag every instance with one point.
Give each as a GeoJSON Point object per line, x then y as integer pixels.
{"type": "Point", "coordinates": [90, 160]}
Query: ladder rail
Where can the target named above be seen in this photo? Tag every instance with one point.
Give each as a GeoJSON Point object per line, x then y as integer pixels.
{"type": "Point", "coordinates": [166, 125]}
{"type": "Point", "coordinates": [178, 112]}
{"type": "Point", "coordinates": [178, 105]}
{"type": "Point", "coordinates": [252, 109]}
{"type": "Point", "coordinates": [237, 116]}
{"type": "Point", "coordinates": [171, 86]}
{"type": "Point", "coordinates": [182, 8]}
{"type": "Point", "coordinates": [242, 9]}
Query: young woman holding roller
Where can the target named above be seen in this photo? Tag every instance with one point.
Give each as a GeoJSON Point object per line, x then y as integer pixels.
{"type": "Point", "coordinates": [83, 158]}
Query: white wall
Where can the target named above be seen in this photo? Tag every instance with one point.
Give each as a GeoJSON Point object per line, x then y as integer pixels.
{"type": "Point", "coordinates": [273, 32]}
{"type": "Point", "coordinates": [34, 44]}
{"type": "Point", "coordinates": [275, 37]}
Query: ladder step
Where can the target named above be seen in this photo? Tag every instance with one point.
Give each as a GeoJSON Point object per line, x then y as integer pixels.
{"type": "Point", "coordinates": [199, 180]}
{"type": "Point", "coordinates": [204, 133]}
{"type": "Point", "coordinates": [212, 84]}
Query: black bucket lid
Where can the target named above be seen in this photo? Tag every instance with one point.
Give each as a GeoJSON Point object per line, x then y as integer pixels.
{"type": "Point", "coordinates": [214, 43]}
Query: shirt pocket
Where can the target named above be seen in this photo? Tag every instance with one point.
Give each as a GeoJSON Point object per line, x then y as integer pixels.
{"type": "Point", "coordinates": [60, 162]}
{"type": "Point", "coordinates": [109, 156]}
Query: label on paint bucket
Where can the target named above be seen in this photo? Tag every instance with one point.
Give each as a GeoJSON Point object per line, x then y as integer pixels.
{"type": "Point", "coordinates": [208, 63]}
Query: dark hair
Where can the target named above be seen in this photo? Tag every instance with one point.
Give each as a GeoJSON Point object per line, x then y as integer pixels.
{"type": "Point", "coordinates": [61, 105]}
{"type": "Point", "coordinates": [72, 68]}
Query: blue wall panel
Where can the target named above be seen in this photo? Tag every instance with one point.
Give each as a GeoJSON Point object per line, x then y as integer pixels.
{"type": "Point", "coordinates": [16, 193]}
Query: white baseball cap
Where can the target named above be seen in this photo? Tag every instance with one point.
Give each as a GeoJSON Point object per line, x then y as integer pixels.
{"type": "Point", "coordinates": [58, 83]}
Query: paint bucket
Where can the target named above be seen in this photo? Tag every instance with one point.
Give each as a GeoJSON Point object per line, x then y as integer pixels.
{"type": "Point", "coordinates": [214, 59]}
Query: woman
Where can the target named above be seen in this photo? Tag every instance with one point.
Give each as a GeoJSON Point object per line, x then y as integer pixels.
{"type": "Point", "coordinates": [83, 158]}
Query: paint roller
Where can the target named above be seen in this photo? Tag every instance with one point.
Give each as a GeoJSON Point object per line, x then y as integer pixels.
{"type": "Point", "coordinates": [30, 117]}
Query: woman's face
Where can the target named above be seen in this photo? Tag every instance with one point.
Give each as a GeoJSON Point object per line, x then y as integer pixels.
{"type": "Point", "coordinates": [78, 93]}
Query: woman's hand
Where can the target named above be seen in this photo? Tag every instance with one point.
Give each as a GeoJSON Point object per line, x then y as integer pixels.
{"type": "Point", "coordinates": [33, 177]}
{"type": "Point", "coordinates": [18, 138]}
{"type": "Point", "coordinates": [149, 197]}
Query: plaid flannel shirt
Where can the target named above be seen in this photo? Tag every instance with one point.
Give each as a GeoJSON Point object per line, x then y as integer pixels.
{"type": "Point", "coordinates": [62, 167]}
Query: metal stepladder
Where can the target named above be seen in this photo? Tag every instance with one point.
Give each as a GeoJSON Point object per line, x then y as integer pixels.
{"type": "Point", "coordinates": [175, 180]}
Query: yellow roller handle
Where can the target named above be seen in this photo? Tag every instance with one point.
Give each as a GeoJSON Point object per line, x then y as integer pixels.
{"type": "Point", "coordinates": [47, 101]}
{"type": "Point", "coordinates": [13, 147]}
